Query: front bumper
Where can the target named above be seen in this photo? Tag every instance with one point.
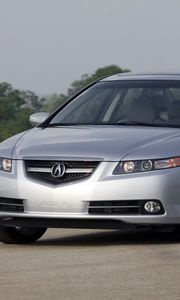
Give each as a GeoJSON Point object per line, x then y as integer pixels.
{"type": "Point", "coordinates": [71, 201]}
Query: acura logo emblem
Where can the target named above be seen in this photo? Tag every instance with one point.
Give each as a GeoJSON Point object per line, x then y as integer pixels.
{"type": "Point", "coordinates": [58, 170]}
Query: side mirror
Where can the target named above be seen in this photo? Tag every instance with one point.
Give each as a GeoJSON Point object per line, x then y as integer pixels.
{"type": "Point", "coordinates": [38, 118]}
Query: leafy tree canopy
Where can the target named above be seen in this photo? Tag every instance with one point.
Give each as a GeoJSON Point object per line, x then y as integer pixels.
{"type": "Point", "coordinates": [15, 108]}
{"type": "Point", "coordinates": [88, 79]}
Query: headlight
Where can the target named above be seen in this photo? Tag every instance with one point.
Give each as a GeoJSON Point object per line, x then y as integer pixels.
{"type": "Point", "coordinates": [135, 166]}
{"type": "Point", "coordinates": [5, 164]}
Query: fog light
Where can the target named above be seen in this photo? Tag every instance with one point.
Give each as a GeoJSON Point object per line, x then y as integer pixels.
{"type": "Point", "coordinates": [152, 207]}
{"type": "Point", "coordinates": [5, 164]}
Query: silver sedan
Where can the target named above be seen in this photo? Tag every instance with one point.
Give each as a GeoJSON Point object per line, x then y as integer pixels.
{"type": "Point", "coordinates": [107, 158]}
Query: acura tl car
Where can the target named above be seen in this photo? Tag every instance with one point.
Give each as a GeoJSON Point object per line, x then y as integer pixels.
{"type": "Point", "coordinates": [109, 157]}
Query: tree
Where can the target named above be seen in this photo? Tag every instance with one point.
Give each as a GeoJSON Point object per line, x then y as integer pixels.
{"type": "Point", "coordinates": [15, 108]}
{"type": "Point", "coordinates": [53, 101]}
{"type": "Point", "coordinates": [88, 79]}
{"type": "Point", "coordinates": [31, 100]}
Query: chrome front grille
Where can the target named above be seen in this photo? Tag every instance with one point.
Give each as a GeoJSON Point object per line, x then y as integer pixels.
{"type": "Point", "coordinates": [72, 170]}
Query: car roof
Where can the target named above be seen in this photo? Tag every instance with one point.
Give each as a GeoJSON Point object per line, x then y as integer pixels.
{"type": "Point", "coordinates": [148, 76]}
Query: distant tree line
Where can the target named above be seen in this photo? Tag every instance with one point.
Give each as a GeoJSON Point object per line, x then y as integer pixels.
{"type": "Point", "coordinates": [17, 105]}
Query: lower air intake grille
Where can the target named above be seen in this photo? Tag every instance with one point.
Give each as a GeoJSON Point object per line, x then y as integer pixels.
{"type": "Point", "coordinates": [114, 207]}
{"type": "Point", "coordinates": [56, 172]}
{"type": "Point", "coordinates": [124, 207]}
{"type": "Point", "coordinates": [11, 205]}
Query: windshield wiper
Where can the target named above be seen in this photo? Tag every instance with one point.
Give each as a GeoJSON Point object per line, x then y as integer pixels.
{"type": "Point", "coordinates": [136, 123]}
{"type": "Point", "coordinates": [62, 124]}
{"type": "Point", "coordinates": [127, 123]}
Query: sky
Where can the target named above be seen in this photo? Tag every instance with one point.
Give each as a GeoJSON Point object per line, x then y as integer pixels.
{"type": "Point", "coordinates": [47, 44]}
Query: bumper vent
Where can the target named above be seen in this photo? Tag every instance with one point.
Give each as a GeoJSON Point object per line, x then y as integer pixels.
{"type": "Point", "coordinates": [56, 172]}
{"type": "Point", "coordinates": [11, 205]}
{"type": "Point", "coordinates": [130, 207]}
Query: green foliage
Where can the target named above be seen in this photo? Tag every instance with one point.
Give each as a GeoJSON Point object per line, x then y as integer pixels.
{"type": "Point", "coordinates": [88, 79]}
{"type": "Point", "coordinates": [15, 108]}
{"type": "Point", "coordinates": [53, 101]}
{"type": "Point", "coordinates": [32, 100]}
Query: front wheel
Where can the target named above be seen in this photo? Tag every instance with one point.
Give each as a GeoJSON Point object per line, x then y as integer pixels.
{"type": "Point", "coordinates": [20, 235]}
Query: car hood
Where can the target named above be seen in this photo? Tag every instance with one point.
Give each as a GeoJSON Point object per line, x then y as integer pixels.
{"type": "Point", "coordinates": [110, 143]}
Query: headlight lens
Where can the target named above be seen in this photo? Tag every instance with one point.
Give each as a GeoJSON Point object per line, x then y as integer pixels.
{"type": "Point", "coordinates": [135, 166]}
{"type": "Point", "coordinates": [5, 164]}
{"type": "Point", "coordinates": [129, 166]}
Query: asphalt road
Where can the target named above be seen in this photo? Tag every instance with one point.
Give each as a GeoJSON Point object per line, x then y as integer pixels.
{"type": "Point", "coordinates": [89, 264]}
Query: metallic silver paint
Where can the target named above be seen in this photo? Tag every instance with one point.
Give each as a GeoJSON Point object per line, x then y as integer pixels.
{"type": "Point", "coordinates": [38, 118]}
{"type": "Point", "coordinates": [108, 144]}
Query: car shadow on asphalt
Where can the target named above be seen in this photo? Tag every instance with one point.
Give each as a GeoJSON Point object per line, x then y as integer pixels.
{"type": "Point", "coordinates": [105, 238]}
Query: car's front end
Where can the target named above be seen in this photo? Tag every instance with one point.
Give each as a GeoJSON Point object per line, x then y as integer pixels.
{"type": "Point", "coordinates": [91, 188]}
{"type": "Point", "coordinates": [77, 173]}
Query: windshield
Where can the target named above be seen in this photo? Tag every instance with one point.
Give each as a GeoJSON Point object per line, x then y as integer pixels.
{"type": "Point", "coordinates": [152, 103]}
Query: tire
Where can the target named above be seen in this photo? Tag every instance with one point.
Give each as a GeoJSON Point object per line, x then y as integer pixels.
{"type": "Point", "coordinates": [20, 235]}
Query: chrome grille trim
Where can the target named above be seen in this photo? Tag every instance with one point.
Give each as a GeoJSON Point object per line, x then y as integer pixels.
{"type": "Point", "coordinates": [69, 171]}
{"type": "Point", "coordinates": [43, 170]}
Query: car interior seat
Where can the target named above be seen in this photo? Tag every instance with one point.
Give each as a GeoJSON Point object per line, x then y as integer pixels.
{"type": "Point", "coordinates": [141, 110]}
{"type": "Point", "coordinates": [174, 112]}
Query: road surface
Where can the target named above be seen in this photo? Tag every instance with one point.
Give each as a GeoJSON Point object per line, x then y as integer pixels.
{"type": "Point", "coordinates": [89, 265]}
